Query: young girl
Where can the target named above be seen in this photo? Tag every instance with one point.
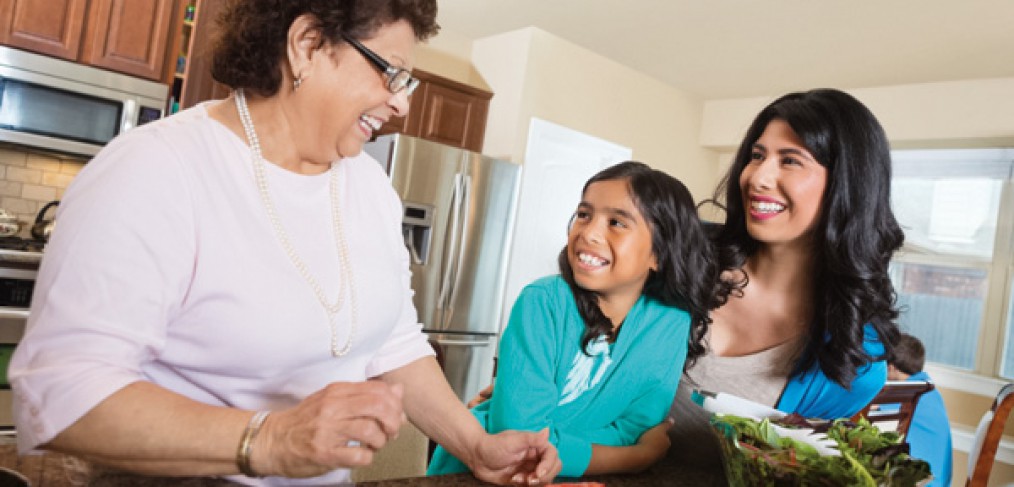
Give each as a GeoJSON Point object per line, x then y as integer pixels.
{"type": "Point", "coordinates": [595, 354]}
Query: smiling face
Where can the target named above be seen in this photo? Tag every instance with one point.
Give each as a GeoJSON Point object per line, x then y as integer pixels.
{"type": "Point", "coordinates": [346, 97]}
{"type": "Point", "coordinates": [609, 245]}
{"type": "Point", "coordinates": [782, 187]}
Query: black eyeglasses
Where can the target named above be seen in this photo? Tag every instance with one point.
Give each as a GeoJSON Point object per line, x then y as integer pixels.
{"type": "Point", "coordinates": [398, 79]}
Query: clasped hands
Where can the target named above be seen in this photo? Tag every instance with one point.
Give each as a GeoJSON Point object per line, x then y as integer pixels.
{"type": "Point", "coordinates": [345, 424]}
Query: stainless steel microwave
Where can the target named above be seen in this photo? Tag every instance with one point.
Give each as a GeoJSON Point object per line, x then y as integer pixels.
{"type": "Point", "coordinates": [57, 105]}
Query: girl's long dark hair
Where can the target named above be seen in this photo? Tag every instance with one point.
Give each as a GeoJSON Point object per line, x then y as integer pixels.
{"type": "Point", "coordinates": [855, 237]}
{"type": "Point", "coordinates": [687, 275]}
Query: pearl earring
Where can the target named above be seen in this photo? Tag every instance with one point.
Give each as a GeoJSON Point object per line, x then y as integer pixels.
{"type": "Point", "coordinates": [297, 82]}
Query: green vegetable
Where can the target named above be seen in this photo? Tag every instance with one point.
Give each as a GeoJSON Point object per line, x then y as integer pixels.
{"type": "Point", "coordinates": [756, 456]}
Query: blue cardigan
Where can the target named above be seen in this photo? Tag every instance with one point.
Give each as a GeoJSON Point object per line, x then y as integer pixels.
{"type": "Point", "coordinates": [813, 395]}
{"type": "Point", "coordinates": [929, 435]}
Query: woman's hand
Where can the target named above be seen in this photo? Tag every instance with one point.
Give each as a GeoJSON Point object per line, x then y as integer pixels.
{"type": "Point", "coordinates": [341, 425]}
{"type": "Point", "coordinates": [515, 457]}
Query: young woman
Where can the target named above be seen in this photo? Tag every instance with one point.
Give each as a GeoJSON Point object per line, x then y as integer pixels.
{"type": "Point", "coordinates": [225, 281]}
{"type": "Point", "coordinates": [596, 352]}
{"type": "Point", "coordinates": [808, 237]}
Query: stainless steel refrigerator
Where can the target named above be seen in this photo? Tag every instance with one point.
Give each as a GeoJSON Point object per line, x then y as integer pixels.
{"type": "Point", "coordinates": [459, 210]}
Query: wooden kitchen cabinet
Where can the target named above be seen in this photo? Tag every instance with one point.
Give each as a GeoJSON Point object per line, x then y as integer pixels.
{"type": "Point", "coordinates": [128, 36]}
{"type": "Point", "coordinates": [51, 27]}
{"type": "Point", "coordinates": [445, 111]}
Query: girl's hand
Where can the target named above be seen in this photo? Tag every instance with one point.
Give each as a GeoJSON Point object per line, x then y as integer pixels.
{"type": "Point", "coordinates": [654, 443]}
{"type": "Point", "coordinates": [481, 397]}
{"type": "Point", "coordinates": [341, 425]}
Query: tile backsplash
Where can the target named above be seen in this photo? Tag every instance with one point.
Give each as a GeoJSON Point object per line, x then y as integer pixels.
{"type": "Point", "coordinates": [29, 180]}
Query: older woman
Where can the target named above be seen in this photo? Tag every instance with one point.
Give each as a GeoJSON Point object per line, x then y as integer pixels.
{"type": "Point", "coordinates": [225, 281]}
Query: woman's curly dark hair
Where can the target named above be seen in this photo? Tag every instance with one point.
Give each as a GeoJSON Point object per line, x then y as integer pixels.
{"type": "Point", "coordinates": [687, 275]}
{"type": "Point", "coordinates": [252, 33]}
{"type": "Point", "coordinates": [856, 234]}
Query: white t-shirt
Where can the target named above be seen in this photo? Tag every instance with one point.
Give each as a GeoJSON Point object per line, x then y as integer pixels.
{"type": "Point", "coordinates": [164, 267]}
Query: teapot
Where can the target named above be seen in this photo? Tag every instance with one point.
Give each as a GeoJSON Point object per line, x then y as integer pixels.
{"type": "Point", "coordinates": [43, 227]}
{"type": "Point", "coordinates": [9, 224]}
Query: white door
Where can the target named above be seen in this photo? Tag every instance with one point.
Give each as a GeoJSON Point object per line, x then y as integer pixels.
{"type": "Point", "coordinates": [558, 162]}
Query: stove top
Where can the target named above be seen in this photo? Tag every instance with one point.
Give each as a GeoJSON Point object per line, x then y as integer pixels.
{"type": "Point", "coordinates": [22, 244]}
{"type": "Point", "coordinates": [20, 251]}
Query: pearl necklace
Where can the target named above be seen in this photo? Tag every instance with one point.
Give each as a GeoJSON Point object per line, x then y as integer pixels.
{"type": "Point", "coordinates": [339, 236]}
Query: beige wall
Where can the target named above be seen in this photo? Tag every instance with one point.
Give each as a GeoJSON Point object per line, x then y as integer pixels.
{"type": "Point", "coordinates": [970, 113]}
{"type": "Point", "coordinates": [448, 55]}
{"type": "Point", "coordinates": [503, 60]}
{"type": "Point", "coordinates": [1002, 474]}
{"type": "Point", "coordinates": [966, 409]}
{"type": "Point", "coordinates": [536, 74]}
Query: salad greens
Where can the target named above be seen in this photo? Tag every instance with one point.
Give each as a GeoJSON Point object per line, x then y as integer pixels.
{"type": "Point", "coordinates": [756, 455]}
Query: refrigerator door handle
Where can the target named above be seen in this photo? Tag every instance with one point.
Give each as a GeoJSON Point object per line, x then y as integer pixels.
{"type": "Point", "coordinates": [450, 245]}
{"type": "Point", "coordinates": [466, 201]}
{"type": "Point", "coordinates": [412, 251]}
{"type": "Point", "coordinates": [460, 343]}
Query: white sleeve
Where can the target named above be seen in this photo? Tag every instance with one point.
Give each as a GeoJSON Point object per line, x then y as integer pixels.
{"type": "Point", "coordinates": [125, 234]}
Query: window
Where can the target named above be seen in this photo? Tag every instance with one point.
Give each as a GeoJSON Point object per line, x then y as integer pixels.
{"type": "Point", "coordinates": [1008, 358]}
{"type": "Point", "coordinates": [953, 276]}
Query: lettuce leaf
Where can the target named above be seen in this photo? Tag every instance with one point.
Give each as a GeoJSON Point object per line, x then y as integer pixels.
{"type": "Point", "coordinates": [756, 455]}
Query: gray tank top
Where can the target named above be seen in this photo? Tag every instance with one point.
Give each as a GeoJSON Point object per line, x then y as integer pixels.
{"type": "Point", "coordinates": [759, 377]}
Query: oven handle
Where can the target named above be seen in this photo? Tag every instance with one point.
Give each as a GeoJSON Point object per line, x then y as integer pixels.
{"type": "Point", "coordinates": [7, 313]}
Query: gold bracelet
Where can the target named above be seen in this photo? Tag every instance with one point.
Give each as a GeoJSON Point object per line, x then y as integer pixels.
{"type": "Point", "coordinates": [246, 443]}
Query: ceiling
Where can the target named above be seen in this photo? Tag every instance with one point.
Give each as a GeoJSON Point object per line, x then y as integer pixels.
{"type": "Point", "coordinates": [739, 48]}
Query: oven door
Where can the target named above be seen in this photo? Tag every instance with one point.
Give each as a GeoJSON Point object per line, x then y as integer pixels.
{"type": "Point", "coordinates": [12, 328]}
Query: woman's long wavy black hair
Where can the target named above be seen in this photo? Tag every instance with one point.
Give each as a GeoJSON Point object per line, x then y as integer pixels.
{"type": "Point", "coordinates": [687, 275]}
{"type": "Point", "coordinates": [856, 234]}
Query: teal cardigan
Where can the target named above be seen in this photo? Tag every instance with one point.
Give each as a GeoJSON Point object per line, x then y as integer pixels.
{"type": "Point", "coordinates": [545, 379]}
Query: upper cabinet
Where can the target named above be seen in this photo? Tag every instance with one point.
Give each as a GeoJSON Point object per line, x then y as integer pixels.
{"type": "Point", "coordinates": [445, 111]}
{"type": "Point", "coordinates": [50, 27]}
{"type": "Point", "coordinates": [128, 36]}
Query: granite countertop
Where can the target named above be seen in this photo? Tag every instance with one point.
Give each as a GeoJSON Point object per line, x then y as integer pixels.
{"type": "Point", "coordinates": [687, 465]}
{"type": "Point", "coordinates": [690, 462]}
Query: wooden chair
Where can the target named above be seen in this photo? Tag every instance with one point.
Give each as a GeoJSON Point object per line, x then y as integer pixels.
{"type": "Point", "coordinates": [902, 392]}
{"type": "Point", "coordinates": [987, 438]}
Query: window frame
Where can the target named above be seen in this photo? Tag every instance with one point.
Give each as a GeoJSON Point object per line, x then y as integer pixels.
{"type": "Point", "coordinates": [993, 328]}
